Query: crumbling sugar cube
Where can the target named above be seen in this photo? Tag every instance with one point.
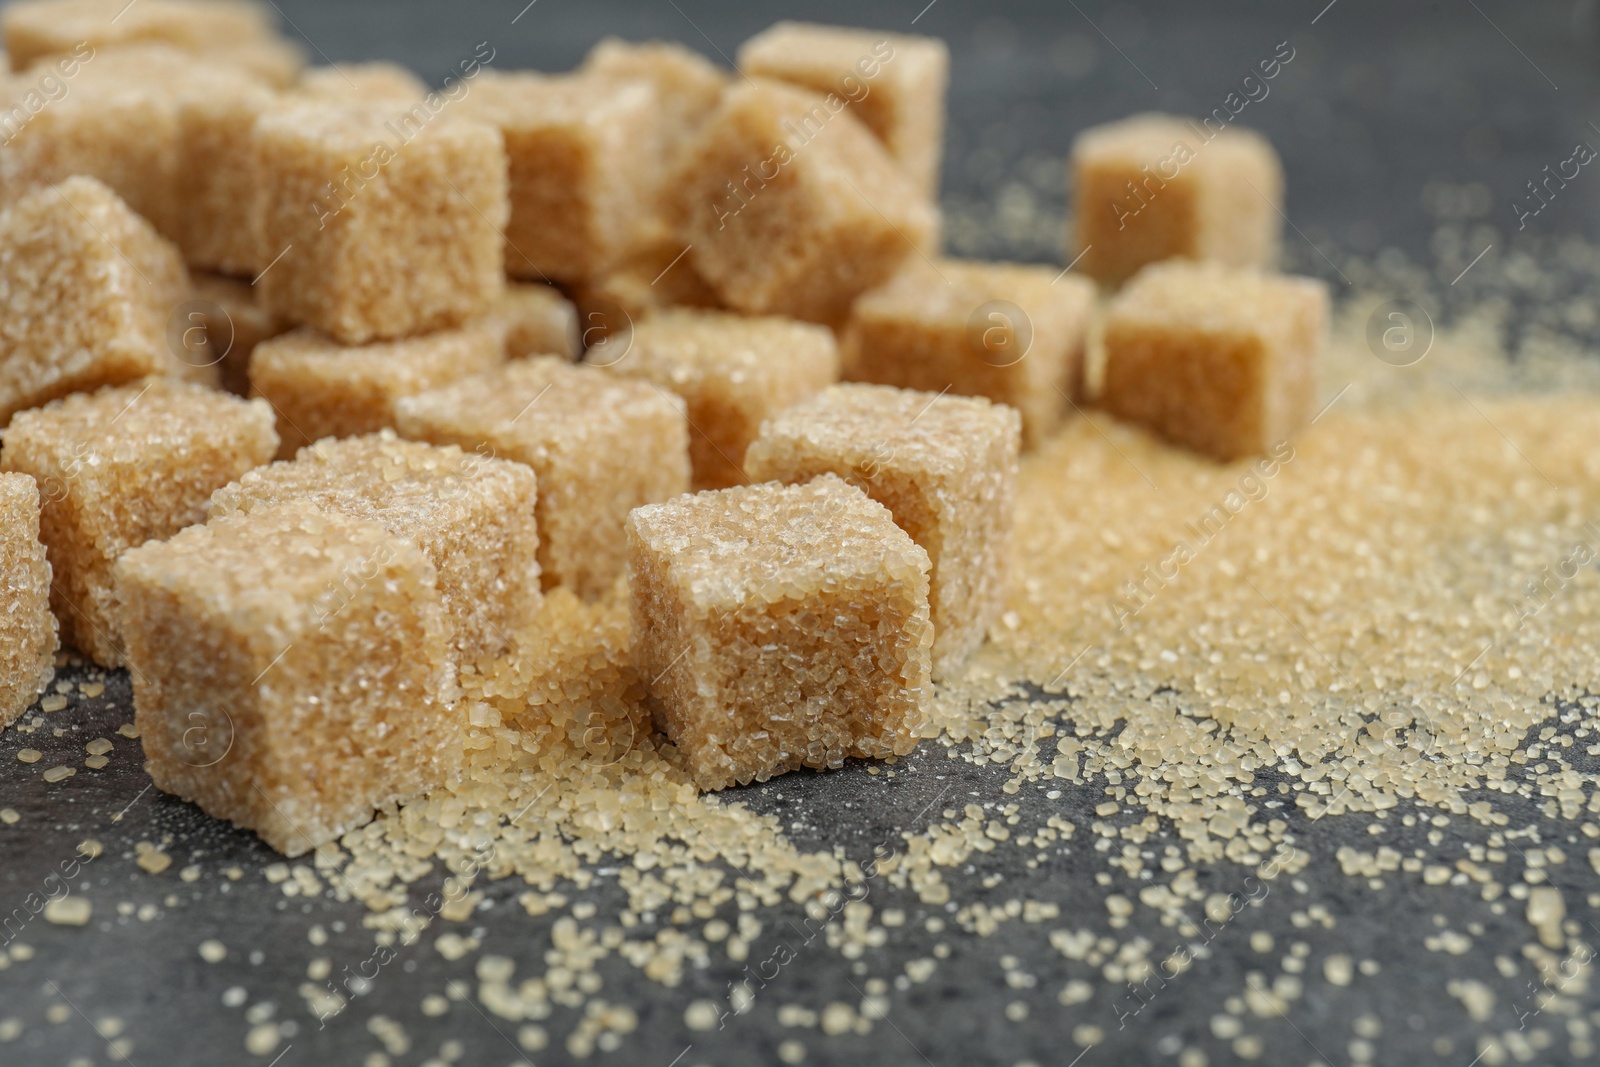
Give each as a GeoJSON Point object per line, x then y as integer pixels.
{"type": "Point", "coordinates": [780, 627]}
{"type": "Point", "coordinates": [1009, 332]}
{"type": "Point", "coordinates": [121, 467]}
{"type": "Point", "coordinates": [584, 164]}
{"type": "Point", "coordinates": [793, 208]}
{"type": "Point", "coordinates": [38, 28]}
{"type": "Point", "coordinates": [27, 628]}
{"type": "Point", "coordinates": [945, 467]}
{"type": "Point", "coordinates": [1155, 187]}
{"type": "Point", "coordinates": [380, 227]}
{"type": "Point", "coordinates": [534, 320]}
{"type": "Point", "coordinates": [88, 288]}
{"type": "Point", "coordinates": [222, 327]}
{"type": "Point", "coordinates": [732, 372]}
{"type": "Point", "coordinates": [894, 83]}
{"type": "Point", "coordinates": [320, 388]}
{"type": "Point", "coordinates": [290, 671]}
{"type": "Point", "coordinates": [601, 445]}
{"type": "Point", "coordinates": [1220, 360]}
{"type": "Point", "coordinates": [471, 514]}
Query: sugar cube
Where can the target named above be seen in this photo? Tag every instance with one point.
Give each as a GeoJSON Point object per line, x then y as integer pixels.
{"type": "Point", "coordinates": [289, 671]}
{"type": "Point", "coordinates": [27, 628]}
{"type": "Point", "coordinates": [780, 627]}
{"type": "Point", "coordinates": [121, 467]}
{"type": "Point", "coordinates": [117, 121]}
{"type": "Point", "coordinates": [600, 444]}
{"type": "Point", "coordinates": [379, 227]}
{"type": "Point", "coordinates": [1009, 332]}
{"type": "Point", "coordinates": [360, 83]}
{"type": "Point", "coordinates": [894, 83]}
{"type": "Point", "coordinates": [732, 372]}
{"type": "Point", "coordinates": [320, 388]}
{"type": "Point", "coordinates": [471, 514]}
{"type": "Point", "coordinates": [583, 166]}
{"type": "Point", "coordinates": [88, 288]}
{"type": "Point", "coordinates": [944, 466]}
{"type": "Point", "coordinates": [534, 320]}
{"type": "Point", "coordinates": [1154, 187]}
{"type": "Point", "coordinates": [1218, 359]}
{"type": "Point", "coordinates": [38, 28]}
{"type": "Point", "coordinates": [217, 181]}
{"type": "Point", "coordinates": [222, 327]}
{"type": "Point", "coordinates": [792, 207]}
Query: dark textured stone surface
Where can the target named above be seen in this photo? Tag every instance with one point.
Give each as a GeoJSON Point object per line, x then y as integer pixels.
{"type": "Point", "coordinates": [1379, 100]}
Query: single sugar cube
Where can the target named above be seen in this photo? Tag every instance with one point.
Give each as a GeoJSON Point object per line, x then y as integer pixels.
{"type": "Point", "coordinates": [222, 326]}
{"type": "Point", "coordinates": [290, 671]}
{"type": "Point", "coordinates": [217, 182]}
{"type": "Point", "coordinates": [792, 207]}
{"type": "Point", "coordinates": [1155, 187]}
{"type": "Point", "coordinates": [88, 288]}
{"type": "Point", "coordinates": [320, 388]}
{"type": "Point", "coordinates": [1220, 360]}
{"type": "Point", "coordinates": [651, 278]}
{"type": "Point", "coordinates": [27, 628]}
{"type": "Point", "coordinates": [534, 320]}
{"type": "Point", "coordinates": [944, 466]}
{"type": "Point", "coordinates": [732, 372]}
{"type": "Point", "coordinates": [38, 28]}
{"type": "Point", "coordinates": [118, 121]}
{"type": "Point", "coordinates": [780, 627]}
{"type": "Point", "coordinates": [1009, 332]}
{"type": "Point", "coordinates": [583, 154]}
{"type": "Point", "coordinates": [379, 227]}
{"type": "Point", "coordinates": [601, 445]}
{"type": "Point", "coordinates": [360, 83]}
{"type": "Point", "coordinates": [471, 514]}
{"type": "Point", "coordinates": [894, 83]}
{"type": "Point", "coordinates": [121, 467]}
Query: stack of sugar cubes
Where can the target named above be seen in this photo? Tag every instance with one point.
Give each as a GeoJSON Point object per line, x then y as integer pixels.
{"type": "Point", "coordinates": [314, 382]}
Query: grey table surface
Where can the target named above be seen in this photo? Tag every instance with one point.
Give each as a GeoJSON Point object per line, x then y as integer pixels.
{"type": "Point", "coordinates": [1382, 102]}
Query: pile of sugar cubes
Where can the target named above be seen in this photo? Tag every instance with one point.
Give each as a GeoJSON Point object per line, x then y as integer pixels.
{"type": "Point", "coordinates": [315, 381]}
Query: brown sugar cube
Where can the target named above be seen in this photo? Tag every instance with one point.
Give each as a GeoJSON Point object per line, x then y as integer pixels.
{"type": "Point", "coordinates": [601, 446]}
{"type": "Point", "coordinates": [115, 118]}
{"type": "Point", "coordinates": [88, 288]}
{"type": "Point", "coordinates": [732, 372]}
{"type": "Point", "coordinates": [27, 628]}
{"type": "Point", "coordinates": [220, 226]}
{"type": "Point", "coordinates": [944, 466]}
{"type": "Point", "coordinates": [38, 28]}
{"type": "Point", "coordinates": [121, 467]}
{"type": "Point", "coordinates": [534, 320]}
{"type": "Point", "coordinates": [379, 229]}
{"type": "Point", "coordinates": [290, 671]}
{"type": "Point", "coordinates": [472, 516]}
{"type": "Point", "coordinates": [222, 327]}
{"type": "Point", "coordinates": [320, 388]}
{"type": "Point", "coordinates": [1223, 361]}
{"type": "Point", "coordinates": [894, 83]}
{"type": "Point", "coordinates": [653, 276]}
{"type": "Point", "coordinates": [780, 627]}
{"type": "Point", "coordinates": [360, 83]}
{"type": "Point", "coordinates": [1009, 332]}
{"type": "Point", "coordinates": [1154, 187]}
{"type": "Point", "coordinates": [793, 208]}
{"type": "Point", "coordinates": [583, 160]}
